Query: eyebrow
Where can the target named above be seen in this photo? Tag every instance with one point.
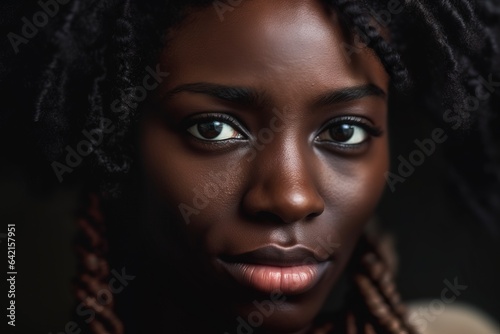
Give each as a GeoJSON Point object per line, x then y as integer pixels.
{"type": "Point", "coordinates": [234, 94]}
{"type": "Point", "coordinates": [348, 94]}
{"type": "Point", "coordinates": [249, 97]}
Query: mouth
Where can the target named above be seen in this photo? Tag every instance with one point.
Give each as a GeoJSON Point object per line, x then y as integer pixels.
{"type": "Point", "coordinates": [274, 269]}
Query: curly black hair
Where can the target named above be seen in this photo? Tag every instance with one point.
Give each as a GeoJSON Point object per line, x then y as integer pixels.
{"type": "Point", "coordinates": [442, 52]}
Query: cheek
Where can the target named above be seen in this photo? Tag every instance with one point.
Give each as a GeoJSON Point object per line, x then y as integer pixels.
{"type": "Point", "coordinates": [365, 182]}
{"type": "Point", "coordinates": [354, 189]}
{"type": "Point", "coordinates": [194, 187]}
{"type": "Point", "coordinates": [356, 182]}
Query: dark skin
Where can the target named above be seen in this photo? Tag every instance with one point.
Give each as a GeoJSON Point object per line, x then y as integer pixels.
{"type": "Point", "coordinates": [303, 180]}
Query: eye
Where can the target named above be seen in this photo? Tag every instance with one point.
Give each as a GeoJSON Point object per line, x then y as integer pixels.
{"type": "Point", "coordinates": [348, 131]}
{"type": "Point", "coordinates": [214, 128]}
{"type": "Point", "coordinates": [346, 134]}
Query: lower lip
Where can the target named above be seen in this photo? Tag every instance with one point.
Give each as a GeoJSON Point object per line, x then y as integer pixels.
{"type": "Point", "coordinates": [269, 279]}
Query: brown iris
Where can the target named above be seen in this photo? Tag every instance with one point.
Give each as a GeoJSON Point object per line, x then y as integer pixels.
{"type": "Point", "coordinates": [342, 132]}
{"type": "Point", "coordinates": [210, 129]}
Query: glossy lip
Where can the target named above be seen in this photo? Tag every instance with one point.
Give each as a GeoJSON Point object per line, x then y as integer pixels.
{"type": "Point", "coordinates": [271, 268]}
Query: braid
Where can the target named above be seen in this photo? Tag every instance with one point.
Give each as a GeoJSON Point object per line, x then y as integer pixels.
{"type": "Point", "coordinates": [376, 306]}
{"type": "Point", "coordinates": [93, 270]}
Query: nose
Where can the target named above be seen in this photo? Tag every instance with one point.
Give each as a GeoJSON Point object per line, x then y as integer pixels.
{"type": "Point", "coordinates": [283, 188]}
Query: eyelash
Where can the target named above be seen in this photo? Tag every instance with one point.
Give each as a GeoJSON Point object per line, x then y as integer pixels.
{"type": "Point", "coordinates": [358, 121]}
{"type": "Point", "coordinates": [211, 117]}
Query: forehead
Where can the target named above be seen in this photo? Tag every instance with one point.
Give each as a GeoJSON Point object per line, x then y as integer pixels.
{"type": "Point", "coordinates": [271, 44]}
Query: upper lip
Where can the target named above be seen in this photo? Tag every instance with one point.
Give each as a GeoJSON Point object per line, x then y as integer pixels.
{"type": "Point", "coordinates": [276, 256]}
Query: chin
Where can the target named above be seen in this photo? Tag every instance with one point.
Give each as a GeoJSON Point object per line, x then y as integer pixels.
{"type": "Point", "coordinates": [276, 314]}
{"type": "Point", "coordinates": [290, 319]}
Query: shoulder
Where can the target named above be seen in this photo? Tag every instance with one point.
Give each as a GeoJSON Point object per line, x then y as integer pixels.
{"type": "Point", "coordinates": [450, 319]}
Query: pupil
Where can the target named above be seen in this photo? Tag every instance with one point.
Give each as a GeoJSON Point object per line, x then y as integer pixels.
{"type": "Point", "coordinates": [342, 133]}
{"type": "Point", "coordinates": [210, 130]}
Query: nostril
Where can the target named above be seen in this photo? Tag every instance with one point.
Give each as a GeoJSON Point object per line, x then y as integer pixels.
{"type": "Point", "coordinates": [313, 215]}
{"type": "Point", "coordinates": [269, 217]}
{"type": "Point", "coordinates": [275, 218]}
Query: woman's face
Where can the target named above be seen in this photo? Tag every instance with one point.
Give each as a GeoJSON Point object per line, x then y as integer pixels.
{"type": "Point", "coordinates": [268, 142]}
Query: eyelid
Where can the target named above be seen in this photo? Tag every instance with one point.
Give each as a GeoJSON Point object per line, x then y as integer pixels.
{"type": "Point", "coordinates": [360, 121]}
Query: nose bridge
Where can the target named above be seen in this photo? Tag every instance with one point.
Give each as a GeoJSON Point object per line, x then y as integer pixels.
{"type": "Point", "coordinates": [283, 183]}
{"type": "Point", "coordinates": [288, 164]}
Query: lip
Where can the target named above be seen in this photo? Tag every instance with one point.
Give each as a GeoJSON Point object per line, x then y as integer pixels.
{"type": "Point", "coordinates": [271, 268]}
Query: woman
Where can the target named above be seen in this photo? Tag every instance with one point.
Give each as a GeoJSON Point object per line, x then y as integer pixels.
{"type": "Point", "coordinates": [241, 148]}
